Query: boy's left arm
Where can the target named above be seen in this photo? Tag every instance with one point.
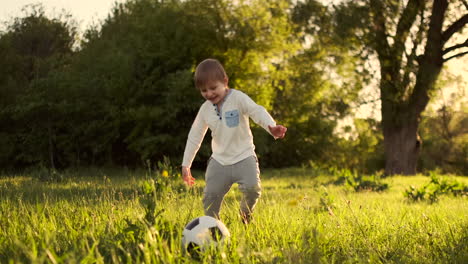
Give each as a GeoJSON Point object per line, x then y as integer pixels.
{"type": "Point", "coordinates": [260, 116]}
{"type": "Point", "coordinates": [278, 131]}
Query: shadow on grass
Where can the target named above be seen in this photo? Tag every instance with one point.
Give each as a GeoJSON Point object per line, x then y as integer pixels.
{"type": "Point", "coordinates": [34, 192]}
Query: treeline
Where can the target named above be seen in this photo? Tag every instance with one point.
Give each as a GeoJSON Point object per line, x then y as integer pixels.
{"type": "Point", "coordinates": [122, 93]}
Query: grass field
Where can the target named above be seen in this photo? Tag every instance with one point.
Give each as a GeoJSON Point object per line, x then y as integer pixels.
{"type": "Point", "coordinates": [303, 216]}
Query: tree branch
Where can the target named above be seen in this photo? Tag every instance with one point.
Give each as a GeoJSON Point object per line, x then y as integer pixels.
{"type": "Point", "coordinates": [456, 56]}
{"type": "Point", "coordinates": [431, 61]}
{"type": "Point", "coordinates": [380, 30]}
{"type": "Point", "coordinates": [455, 27]}
{"type": "Point", "coordinates": [413, 57]}
{"type": "Point", "coordinates": [454, 47]}
{"type": "Point", "coordinates": [365, 102]}
{"type": "Point", "coordinates": [465, 3]}
{"type": "Point", "coordinates": [406, 21]}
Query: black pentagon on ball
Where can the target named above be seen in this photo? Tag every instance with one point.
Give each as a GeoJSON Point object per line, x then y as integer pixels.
{"type": "Point", "coordinates": [193, 224]}
{"type": "Point", "coordinates": [216, 233]}
{"type": "Point", "coordinates": [194, 250]}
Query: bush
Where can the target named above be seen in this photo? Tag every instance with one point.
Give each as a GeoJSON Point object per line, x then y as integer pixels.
{"type": "Point", "coordinates": [437, 186]}
{"type": "Point", "coordinates": [359, 182]}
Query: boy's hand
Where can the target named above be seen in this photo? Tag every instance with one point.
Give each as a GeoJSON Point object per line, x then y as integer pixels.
{"type": "Point", "coordinates": [187, 176]}
{"type": "Point", "coordinates": [278, 131]}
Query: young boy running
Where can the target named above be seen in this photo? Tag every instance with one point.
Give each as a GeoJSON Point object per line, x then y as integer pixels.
{"type": "Point", "coordinates": [226, 112]}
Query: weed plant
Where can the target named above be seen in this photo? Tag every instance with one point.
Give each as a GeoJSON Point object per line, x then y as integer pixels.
{"type": "Point", "coordinates": [437, 186]}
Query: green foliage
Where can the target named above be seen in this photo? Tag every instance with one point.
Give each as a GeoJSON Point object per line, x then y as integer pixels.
{"type": "Point", "coordinates": [134, 233]}
{"type": "Point", "coordinates": [316, 88]}
{"type": "Point", "coordinates": [445, 134]}
{"type": "Point", "coordinates": [363, 183]}
{"type": "Point", "coordinates": [34, 49]}
{"type": "Point", "coordinates": [164, 180]}
{"type": "Point", "coordinates": [358, 182]}
{"type": "Point", "coordinates": [125, 94]}
{"type": "Point", "coordinates": [360, 147]}
{"type": "Point", "coordinates": [404, 37]}
{"type": "Point", "coordinates": [327, 201]}
{"type": "Point", "coordinates": [437, 186]}
{"type": "Point", "coordinates": [48, 175]}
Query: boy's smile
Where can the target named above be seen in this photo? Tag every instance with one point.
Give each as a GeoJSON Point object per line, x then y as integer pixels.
{"type": "Point", "coordinates": [214, 91]}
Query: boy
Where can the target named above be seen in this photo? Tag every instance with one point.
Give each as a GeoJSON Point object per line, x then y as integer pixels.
{"type": "Point", "coordinates": [226, 112]}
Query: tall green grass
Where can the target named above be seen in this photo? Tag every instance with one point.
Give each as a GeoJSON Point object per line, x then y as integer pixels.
{"type": "Point", "coordinates": [303, 216]}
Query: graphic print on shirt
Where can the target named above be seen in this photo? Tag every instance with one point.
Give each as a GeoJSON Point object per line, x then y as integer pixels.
{"type": "Point", "coordinates": [232, 118]}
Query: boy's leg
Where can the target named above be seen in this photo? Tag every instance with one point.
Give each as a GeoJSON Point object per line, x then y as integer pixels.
{"type": "Point", "coordinates": [218, 183]}
{"type": "Point", "coordinates": [247, 175]}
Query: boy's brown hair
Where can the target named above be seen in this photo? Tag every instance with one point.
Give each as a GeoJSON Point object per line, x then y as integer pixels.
{"type": "Point", "coordinates": [207, 71]}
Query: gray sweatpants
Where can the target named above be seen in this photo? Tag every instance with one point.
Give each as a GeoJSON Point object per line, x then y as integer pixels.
{"type": "Point", "coordinates": [219, 180]}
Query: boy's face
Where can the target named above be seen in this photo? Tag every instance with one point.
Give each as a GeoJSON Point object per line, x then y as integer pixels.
{"type": "Point", "coordinates": [214, 91]}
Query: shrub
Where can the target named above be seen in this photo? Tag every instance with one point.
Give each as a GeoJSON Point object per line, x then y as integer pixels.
{"type": "Point", "coordinates": [437, 186]}
{"type": "Point", "coordinates": [359, 182]}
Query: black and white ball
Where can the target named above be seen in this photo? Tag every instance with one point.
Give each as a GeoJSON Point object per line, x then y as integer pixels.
{"type": "Point", "coordinates": [203, 232]}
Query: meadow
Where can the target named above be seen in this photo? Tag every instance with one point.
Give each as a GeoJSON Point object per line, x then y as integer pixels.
{"type": "Point", "coordinates": [304, 216]}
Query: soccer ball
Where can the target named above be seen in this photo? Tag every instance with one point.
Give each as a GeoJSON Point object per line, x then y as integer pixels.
{"type": "Point", "coordinates": [203, 232]}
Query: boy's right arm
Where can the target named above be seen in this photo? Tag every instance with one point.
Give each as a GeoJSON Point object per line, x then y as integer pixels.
{"type": "Point", "coordinates": [187, 176]}
{"type": "Point", "coordinates": [194, 140]}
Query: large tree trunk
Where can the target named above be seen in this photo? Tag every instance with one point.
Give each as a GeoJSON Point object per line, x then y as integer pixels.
{"type": "Point", "coordinates": [401, 115]}
{"type": "Point", "coordinates": [402, 148]}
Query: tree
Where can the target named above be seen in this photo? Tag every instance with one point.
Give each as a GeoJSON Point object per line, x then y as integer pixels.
{"type": "Point", "coordinates": [445, 128]}
{"type": "Point", "coordinates": [35, 47]}
{"type": "Point", "coordinates": [316, 89]}
{"type": "Point", "coordinates": [126, 94]}
{"type": "Point", "coordinates": [412, 40]}
{"type": "Point", "coordinates": [140, 66]}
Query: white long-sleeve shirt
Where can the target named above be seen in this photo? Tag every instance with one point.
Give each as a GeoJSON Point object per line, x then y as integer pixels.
{"type": "Point", "coordinates": [232, 140]}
